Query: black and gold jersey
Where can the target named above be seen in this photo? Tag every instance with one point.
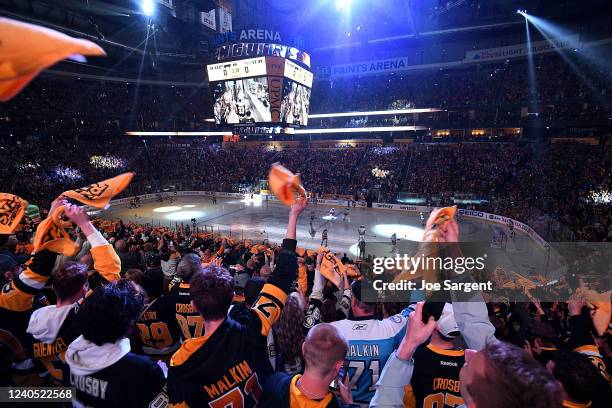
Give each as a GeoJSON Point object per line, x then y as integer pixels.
{"type": "Point", "coordinates": [16, 302]}
{"type": "Point", "coordinates": [188, 319]}
{"type": "Point", "coordinates": [46, 348]}
{"type": "Point", "coordinates": [435, 380]}
{"type": "Point", "coordinates": [227, 367]}
{"type": "Point", "coordinates": [158, 329]}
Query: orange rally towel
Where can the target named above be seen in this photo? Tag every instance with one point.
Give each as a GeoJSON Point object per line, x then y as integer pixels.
{"type": "Point", "coordinates": [285, 185]}
{"type": "Point", "coordinates": [52, 235]}
{"type": "Point", "coordinates": [98, 195]}
{"type": "Point", "coordinates": [27, 49]}
{"type": "Point", "coordinates": [12, 209]}
{"type": "Point", "coordinates": [331, 267]}
{"type": "Point", "coordinates": [255, 249]}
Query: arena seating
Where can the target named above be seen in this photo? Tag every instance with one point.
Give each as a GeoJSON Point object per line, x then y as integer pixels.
{"type": "Point", "coordinates": [518, 180]}
{"type": "Point", "coordinates": [132, 315]}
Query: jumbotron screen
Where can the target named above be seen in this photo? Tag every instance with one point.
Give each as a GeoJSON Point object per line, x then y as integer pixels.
{"type": "Point", "coordinates": [296, 103]}
{"type": "Point", "coordinates": [241, 101]}
{"type": "Point", "coordinates": [260, 90]}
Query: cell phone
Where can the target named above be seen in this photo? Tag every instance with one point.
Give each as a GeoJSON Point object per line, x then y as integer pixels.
{"type": "Point", "coordinates": [342, 373]}
{"type": "Point", "coordinates": [432, 309]}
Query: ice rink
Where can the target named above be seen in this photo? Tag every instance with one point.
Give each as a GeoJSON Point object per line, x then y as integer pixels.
{"type": "Point", "coordinates": [262, 220]}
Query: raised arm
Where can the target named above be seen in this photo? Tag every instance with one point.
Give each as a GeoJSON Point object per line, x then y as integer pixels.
{"type": "Point", "coordinates": [105, 259]}
{"type": "Point", "coordinates": [270, 303]}
{"type": "Point", "coordinates": [470, 311]}
{"type": "Point", "coordinates": [399, 367]}
{"type": "Point", "coordinates": [18, 295]}
{"type": "Point", "coordinates": [286, 264]}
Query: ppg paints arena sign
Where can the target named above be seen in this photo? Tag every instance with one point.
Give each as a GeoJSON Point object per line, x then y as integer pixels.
{"type": "Point", "coordinates": [246, 36]}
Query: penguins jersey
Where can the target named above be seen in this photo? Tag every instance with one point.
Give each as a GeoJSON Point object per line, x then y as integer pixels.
{"type": "Point", "coordinates": [188, 319]}
{"type": "Point", "coordinates": [371, 342]}
{"type": "Point", "coordinates": [49, 356]}
{"type": "Point", "coordinates": [435, 379]}
{"type": "Point", "coordinates": [16, 302]}
{"type": "Point", "coordinates": [158, 328]}
{"type": "Point", "coordinates": [226, 368]}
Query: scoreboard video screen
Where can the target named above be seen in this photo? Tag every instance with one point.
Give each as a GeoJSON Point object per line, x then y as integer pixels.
{"type": "Point", "coordinates": [260, 90]}
{"type": "Point", "coordinates": [296, 103]}
{"type": "Point", "coordinates": [242, 101]}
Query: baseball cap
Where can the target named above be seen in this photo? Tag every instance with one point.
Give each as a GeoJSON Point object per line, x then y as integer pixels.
{"type": "Point", "coordinates": [446, 324]}
{"type": "Point", "coordinates": [27, 49]}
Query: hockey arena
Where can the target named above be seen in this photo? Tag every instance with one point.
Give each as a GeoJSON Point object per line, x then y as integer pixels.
{"type": "Point", "coordinates": [306, 203]}
{"type": "Point", "coordinates": [251, 216]}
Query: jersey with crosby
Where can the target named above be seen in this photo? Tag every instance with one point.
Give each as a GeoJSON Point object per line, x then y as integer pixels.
{"type": "Point", "coordinates": [224, 368]}
{"type": "Point", "coordinates": [188, 319]}
{"type": "Point", "coordinates": [371, 342]}
{"type": "Point", "coordinates": [435, 379]}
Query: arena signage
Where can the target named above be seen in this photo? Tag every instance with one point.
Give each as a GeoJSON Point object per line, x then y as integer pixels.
{"type": "Point", "coordinates": [370, 67]}
{"type": "Point", "coordinates": [253, 49]}
{"type": "Point", "coordinates": [246, 35]}
{"type": "Point", "coordinates": [472, 213]}
{"type": "Point", "coordinates": [521, 50]}
{"type": "Point", "coordinates": [259, 130]}
{"type": "Point", "coordinates": [260, 34]}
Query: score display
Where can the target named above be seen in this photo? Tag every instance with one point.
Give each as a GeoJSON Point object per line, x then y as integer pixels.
{"type": "Point", "coordinates": [298, 74]}
{"type": "Point", "coordinates": [237, 69]}
{"type": "Point", "coordinates": [268, 89]}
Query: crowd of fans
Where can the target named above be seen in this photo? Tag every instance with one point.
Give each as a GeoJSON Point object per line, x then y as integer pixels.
{"type": "Point", "coordinates": [144, 315]}
{"type": "Point", "coordinates": [57, 105]}
{"type": "Point", "coordinates": [133, 315]}
{"type": "Point", "coordinates": [521, 181]}
{"type": "Point", "coordinates": [486, 95]}
{"type": "Point", "coordinates": [483, 95]}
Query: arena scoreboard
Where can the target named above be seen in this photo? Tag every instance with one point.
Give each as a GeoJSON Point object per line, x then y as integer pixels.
{"type": "Point", "coordinates": [237, 69]}
{"type": "Point", "coordinates": [267, 89]}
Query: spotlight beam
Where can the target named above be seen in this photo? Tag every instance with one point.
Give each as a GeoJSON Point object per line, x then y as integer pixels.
{"type": "Point", "coordinates": [548, 31]}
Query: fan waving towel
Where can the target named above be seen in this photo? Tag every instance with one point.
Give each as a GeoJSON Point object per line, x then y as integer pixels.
{"type": "Point", "coordinates": [27, 49]}
{"type": "Point", "coordinates": [285, 185]}
{"type": "Point", "coordinates": [98, 195]}
{"type": "Point", "coordinates": [331, 267]}
{"type": "Point", "coordinates": [52, 235]}
{"type": "Point", "coordinates": [437, 219]}
{"type": "Point", "coordinates": [12, 209]}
